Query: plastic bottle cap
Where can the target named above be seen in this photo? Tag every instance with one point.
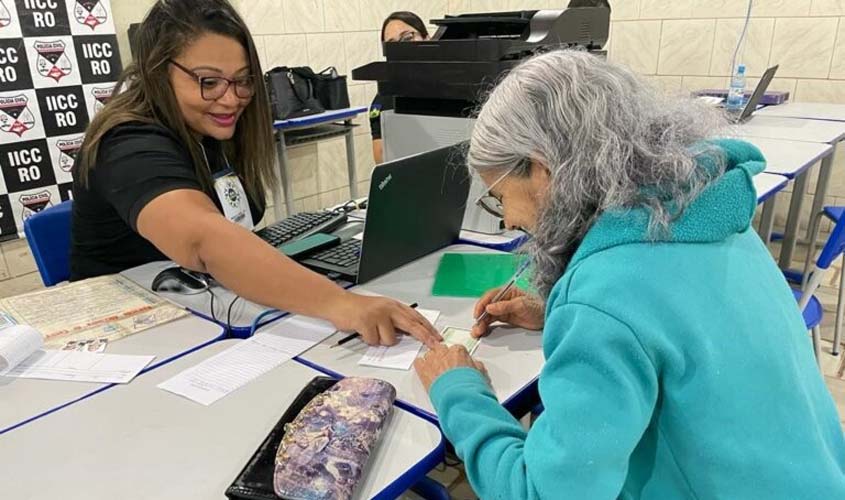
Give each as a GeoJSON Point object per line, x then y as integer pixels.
{"type": "Point", "coordinates": [740, 69]}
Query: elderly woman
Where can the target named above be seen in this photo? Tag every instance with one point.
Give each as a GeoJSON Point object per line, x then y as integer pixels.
{"type": "Point", "coordinates": [677, 363]}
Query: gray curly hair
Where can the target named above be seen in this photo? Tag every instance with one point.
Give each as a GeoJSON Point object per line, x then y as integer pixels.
{"type": "Point", "coordinates": [610, 140]}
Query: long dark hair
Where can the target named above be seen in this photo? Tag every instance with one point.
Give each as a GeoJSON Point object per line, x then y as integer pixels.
{"type": "Point", "coordinates": [143, 92]}
{"type": "Point", "coordinates": [408, 18]}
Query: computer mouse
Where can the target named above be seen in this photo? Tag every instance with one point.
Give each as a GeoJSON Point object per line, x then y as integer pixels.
{"type": "Point", "coordinates": [178, 280]}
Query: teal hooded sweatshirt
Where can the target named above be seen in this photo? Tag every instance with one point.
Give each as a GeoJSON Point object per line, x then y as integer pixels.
{"type": "Point", "coordinates": [675, 369]}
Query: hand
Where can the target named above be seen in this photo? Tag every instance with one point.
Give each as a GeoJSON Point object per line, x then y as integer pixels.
{"type": "Point", "coordinates": [441, 359]}
{"type": "Point", "coordinates": [516, 307]}
{"type": "Point", "coordinates": [377, 319]}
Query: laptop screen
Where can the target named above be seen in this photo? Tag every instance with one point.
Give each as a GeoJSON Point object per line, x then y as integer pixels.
{"type": "Point", "coordinates": [758, 93]}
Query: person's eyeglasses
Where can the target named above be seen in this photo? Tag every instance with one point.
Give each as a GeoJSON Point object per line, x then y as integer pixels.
{"type": "Point", "coordinates": [407, 36]}
{"type": "Point", "coordinates": [491, 203]}
{"type": "Point", "coordinates": [214, 87]}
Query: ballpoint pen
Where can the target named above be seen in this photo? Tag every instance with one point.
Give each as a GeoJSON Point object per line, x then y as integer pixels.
{"type": "Point", "coordinates": [522, 267]}
{"type": "Point", "coordinates": [355, 335]}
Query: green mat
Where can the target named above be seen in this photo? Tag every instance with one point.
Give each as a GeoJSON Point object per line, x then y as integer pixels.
{"type": "Point", "coordinates": [472, 274]}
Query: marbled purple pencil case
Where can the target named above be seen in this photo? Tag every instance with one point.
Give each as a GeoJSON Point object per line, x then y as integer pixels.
{"type": "Point", "coordinates": [326, 447]}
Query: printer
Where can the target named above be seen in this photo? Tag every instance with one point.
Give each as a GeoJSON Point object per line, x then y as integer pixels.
{"type": "Point", "coordinates": [438, 84]}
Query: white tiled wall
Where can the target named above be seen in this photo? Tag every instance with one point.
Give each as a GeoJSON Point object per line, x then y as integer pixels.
{"type": "Point", "coordinates": [678, 44]}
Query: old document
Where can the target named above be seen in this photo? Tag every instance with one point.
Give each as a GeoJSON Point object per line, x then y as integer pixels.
{"type": "Point", "coordinates": [107, 307]}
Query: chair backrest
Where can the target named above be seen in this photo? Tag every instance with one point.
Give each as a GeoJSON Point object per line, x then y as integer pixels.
{"type": "Point", "coordinates": [48, 235]}
{"type": "Point", "coordinates": [832, 249]}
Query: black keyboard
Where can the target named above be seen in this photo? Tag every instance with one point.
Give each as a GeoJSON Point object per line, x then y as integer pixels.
{"type": "Point", "coordinates": [344, 255]}
{"type": "Point", "coordinates": [301, 225]}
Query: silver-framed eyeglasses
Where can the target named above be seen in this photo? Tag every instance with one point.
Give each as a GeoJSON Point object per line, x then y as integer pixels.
{"type": "Point", "coordinates": [491, 203]}
{"type": "Point", "coordinates": [214, 87]}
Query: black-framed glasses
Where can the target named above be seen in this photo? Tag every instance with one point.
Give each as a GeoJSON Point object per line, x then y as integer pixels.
{"type": "Point", "coordinates": [215, 87]}
{"type": "Point", "coordinates": [491, 203]}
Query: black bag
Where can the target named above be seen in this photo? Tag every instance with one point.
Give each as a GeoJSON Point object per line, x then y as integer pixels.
{"type": "Point", "coordinates": [255, 481]}
{"type": "Point", "coordinates": [331, 89]}
{"type": "Point", "coordinates": [292, 92]}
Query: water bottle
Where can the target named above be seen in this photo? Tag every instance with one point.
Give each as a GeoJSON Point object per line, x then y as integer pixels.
{"type": "Point", "coordinates": [736, 94]}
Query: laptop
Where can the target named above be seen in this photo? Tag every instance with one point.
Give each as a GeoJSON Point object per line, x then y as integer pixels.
{"type": "Point", "coordinates": [759, 92]}
{"type": "Point", "coordinates": [416, 206]}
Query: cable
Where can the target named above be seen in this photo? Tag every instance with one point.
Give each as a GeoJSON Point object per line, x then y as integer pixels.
{"type": "Point", "coordinates": [261, 316]}
{"type": "Point", "coordinates": [741, 37]}
{"type": "Point", "coordinates": [229, 317]}
{"type": "Point", "coordinates": [213, 316]}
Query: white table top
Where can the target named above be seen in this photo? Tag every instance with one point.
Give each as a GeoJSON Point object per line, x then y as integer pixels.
{"type": "Point", "coordinates": [766, 184]}
{"type": "Point", "coordinates": [812, 110]}
{"type": "Point", "coordinates": [244, 311]}
{"type": "Point", "coordinates": [137, 441]}
{"type": "Point", "coordinates": [513, 356]}
{"type": "Point", "coordinates": [22, 398]}
{"type": "Point", "coordinates": [789, 158]}
{"type": "Point", "coordinates": [793, 129]}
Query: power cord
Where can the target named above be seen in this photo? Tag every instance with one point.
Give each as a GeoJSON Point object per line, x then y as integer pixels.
{"type": "Point", "coordinates": [229, 317]}
{"type": "Point", "coordinates": [210, 292]}
{"type": "Point", "coordinates": [228, 332]}
{"type": "Point", "coordinates": [741, 37]}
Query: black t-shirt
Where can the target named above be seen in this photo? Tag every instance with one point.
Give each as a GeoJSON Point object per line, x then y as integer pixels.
{"type": "Point", "coordinates": [136, 162]}
{"type": "Point", "coordinates": [379, 104]}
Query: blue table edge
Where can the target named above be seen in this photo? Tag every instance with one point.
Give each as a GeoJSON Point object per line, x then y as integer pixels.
{"type": "Point", "coordinates": [98, 390]}
{"type": "Point", "coordinates": [324, 117]}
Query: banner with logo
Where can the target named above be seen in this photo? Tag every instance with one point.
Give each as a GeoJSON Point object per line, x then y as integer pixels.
{"type": "Point", "coordinates": [59, 62]}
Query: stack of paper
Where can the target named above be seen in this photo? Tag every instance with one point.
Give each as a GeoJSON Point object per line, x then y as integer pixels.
{"type": "Point", "coordinates": [21, 356]}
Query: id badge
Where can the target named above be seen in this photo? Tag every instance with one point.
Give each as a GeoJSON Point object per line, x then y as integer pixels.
{"type": "Point", "coordinates": [233, 199]}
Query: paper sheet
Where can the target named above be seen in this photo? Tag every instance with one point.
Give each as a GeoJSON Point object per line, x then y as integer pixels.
{"type": "Point", "coordinates": [233, 368]}
{"type": "Point", "coordinates": [80, 366]}
{"type": "Point", "coordinates": [397, 357]}
{"type": "Point", "coordinates": [107, 307]}
{"type": "Point", "coordinates": [400, 356]}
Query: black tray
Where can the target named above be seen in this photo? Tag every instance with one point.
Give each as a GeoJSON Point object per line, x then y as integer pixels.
{"type": "Point", "coordinates": [255, 481]}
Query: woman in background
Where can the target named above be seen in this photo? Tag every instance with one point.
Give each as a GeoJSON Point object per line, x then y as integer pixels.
{"type": "Point", "coordinates": [397, 27]}
{"type": "Point", "coordinates": [176, 167]}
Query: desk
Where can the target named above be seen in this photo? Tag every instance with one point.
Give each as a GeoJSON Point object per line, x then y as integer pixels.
{"type": "Point", "coordinates": [244, 311]}
{"type": "Point", "coordinates": [311, 122]}
{"type": "Point", "coordinates": [513, 356]}
{"type": "Point", "coordinates": [23, 399]}
{"type": "Point", "coordinates": [767, 185]}
{"type": "Point", "coordinates": [789, 159]}
{"type": "Point", "coordinates": [810, 110]}
{"type": "Point", "coordinates": [817, 131]}
{"type": "Point", "coordinates": [138, 441]}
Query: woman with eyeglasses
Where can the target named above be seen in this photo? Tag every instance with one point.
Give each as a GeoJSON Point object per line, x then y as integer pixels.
{"type": "Point", "coordinates": [677, 361]}
{"type": "Point", "coordinates": [399, 26]}
{"type": "Point", "coordinates": [177, 164]}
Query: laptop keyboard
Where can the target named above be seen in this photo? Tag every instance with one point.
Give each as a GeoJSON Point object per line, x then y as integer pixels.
{"type": "Point", "coordinates": [301, 224]}
{"type": "Point", "coordinates": [344, 255]}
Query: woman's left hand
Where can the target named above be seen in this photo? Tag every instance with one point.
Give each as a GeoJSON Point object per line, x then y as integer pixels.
{"type": "Point", "coordinates": [441, 359]}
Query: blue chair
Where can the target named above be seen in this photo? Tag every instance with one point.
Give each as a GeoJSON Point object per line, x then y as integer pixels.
{"type": "Point", "coordinates": [430, 489]}
{"type": "Point", "coordinates": [835, 215]}
{"type": "Point", "coordinates": [48, 235]}
{"type": "Point", "coordinates": [807, 302]}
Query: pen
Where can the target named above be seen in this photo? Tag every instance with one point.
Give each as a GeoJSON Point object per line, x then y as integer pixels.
{"type": "Point", "coordinates": [355, 335]}
{"type": "Point", "coordinates": [504, 289]}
